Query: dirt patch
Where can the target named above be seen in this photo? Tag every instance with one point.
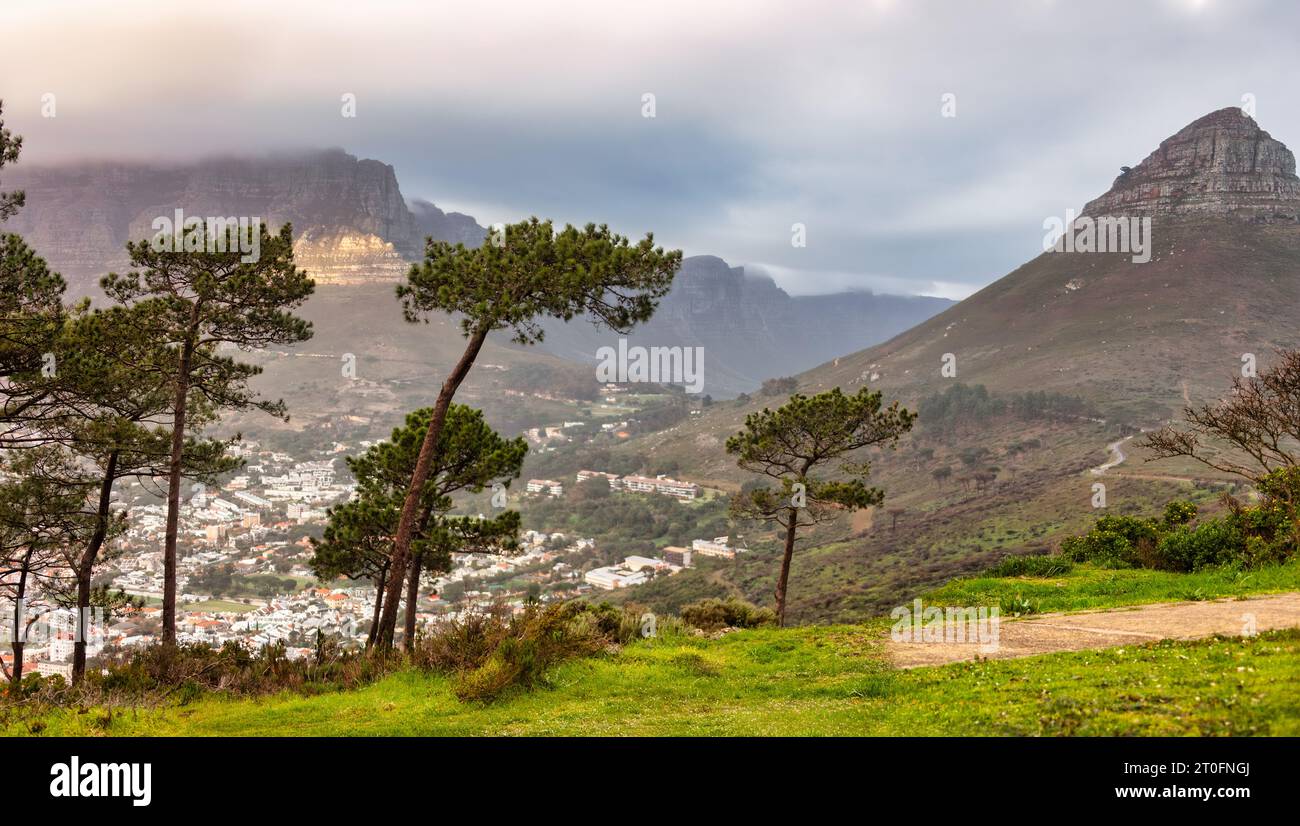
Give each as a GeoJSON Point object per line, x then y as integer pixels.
{"type": "Point", "coordinates": [1105, 629]}
{"type": "Point", "coordinates": [862, 520]}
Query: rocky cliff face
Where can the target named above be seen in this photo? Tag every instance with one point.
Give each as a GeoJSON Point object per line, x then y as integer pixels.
{"type": "Point", "coordinates": [353, 227]}
{"type": "Point", "coordinates": [350, 220]}
{"type": "Point", "coordinates": [1222, 163]}
{"type": "Point", "coordinates": [454, 227]}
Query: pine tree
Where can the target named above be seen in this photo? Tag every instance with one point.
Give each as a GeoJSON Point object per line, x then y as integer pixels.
{"type": "Point", "coordinates": [112, 409]}
{"type": "Point", "coordinates": [38, 515]}
{"type": "Point", "coordinates": [198, 299]}
{"type": "Point", "coordinates": [10, 146]}
{"type": "Point", "coordinates": [804, 435]}
{"type": "Point", "coordinates": [525, 273]}
{"type": "Point", "coordinates": [31, 314]}
{"type": "Point", "coordinates": [469, 456]}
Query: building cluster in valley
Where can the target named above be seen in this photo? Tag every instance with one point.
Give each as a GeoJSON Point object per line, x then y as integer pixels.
{"type": "Point", "coordinates": [245, 551]}
{"type": "Point", "coordinates": [297, 618]}
{"type": "Point", "coordinates": [632, 483]}
{"type": "Point", "coordinates": [635, 570]}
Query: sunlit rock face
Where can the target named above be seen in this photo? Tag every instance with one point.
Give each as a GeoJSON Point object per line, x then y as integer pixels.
{"type": "Point", "coordinates": [351, 223]}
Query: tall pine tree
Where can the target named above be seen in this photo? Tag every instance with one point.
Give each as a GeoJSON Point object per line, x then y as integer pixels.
{"type": "Point", "coordinates": [794, 445]}
{"type": "Point", "coordinates": [469, 456]}
{"type": "Point", "coordinates": [197, 294]}
{"type": "Point", "coordinates": [523, 274]}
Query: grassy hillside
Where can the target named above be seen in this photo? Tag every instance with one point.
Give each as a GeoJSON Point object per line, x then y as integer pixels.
{"type": "Point", "coordinates": [808, 681]}
{"type": "Point", "coordinates": [828, 680]}
{"type": "Point", "coordinates": [861, 566]}
{"type": "Point", "coordinates": [1135, 342]}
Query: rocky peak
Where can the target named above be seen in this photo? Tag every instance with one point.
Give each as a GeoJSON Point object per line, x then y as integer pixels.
{"type": "Point", "coordinates": [1222, 163]}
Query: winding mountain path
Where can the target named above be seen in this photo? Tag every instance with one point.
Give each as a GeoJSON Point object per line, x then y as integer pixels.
{"type": "Point", "coordinates": [1117, 456]}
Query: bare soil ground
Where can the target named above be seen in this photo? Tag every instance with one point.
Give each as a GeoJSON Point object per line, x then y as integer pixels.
{"type": "Point", "coordinates": [1104, 629]}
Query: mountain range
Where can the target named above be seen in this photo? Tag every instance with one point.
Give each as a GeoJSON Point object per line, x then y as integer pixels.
{"type": "Point", "coordinates": [353, 227]}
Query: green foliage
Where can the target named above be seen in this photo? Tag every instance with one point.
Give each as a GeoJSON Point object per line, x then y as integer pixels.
{"type": "Point", "coordinates": [10, 146]}
{"type": "Point", "coordinates": [1035, 566]}
{"type": "Point", "coordinates": [31, 315]}
{"type": "Point", "coordinates": [192, 670]}
{"type": "Point", "coordinates": [715, 614]}
{"type": "Point", "coordinates": [1247, 536]}
{"type": "Point", "coordinates": [810, 433]}
{"type": "Point", "coordinates": [470, 455]}
{"type": "Point", "coordinates": [1105, 548]}
{"type": "Point", "coordinates": [532, 271]}
{"type": "Point", "coordinates": [195, 302]}
{"type": "Point", "coordinates": [522, 273]}
{"type": "Point", "coordinates": [961, 405]}
{"type": "Point", "coordinates": [489, 653]}
{"type": "Point", "coordinates": [1213, 542]}
{"type": "Point", "coordinates": [1179, 513]}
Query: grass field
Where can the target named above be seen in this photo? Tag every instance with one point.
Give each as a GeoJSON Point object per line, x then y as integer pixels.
{"type": "Point", "coordinates": [1088, 587]}
{"type": "Point", "coordinates": [814, 680]}
{"type": "Point", "coordinates": [805, 681]}
{"type": "Point", "coordinates": [217, 606]}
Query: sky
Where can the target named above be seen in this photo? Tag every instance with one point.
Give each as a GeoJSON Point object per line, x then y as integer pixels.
{"type": "Point", "coordinates": [828, 115]}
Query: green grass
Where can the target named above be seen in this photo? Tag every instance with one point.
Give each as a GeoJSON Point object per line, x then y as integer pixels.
{"type": "Point", "coordinates": [816, 680]}
{"type": "Point", "coordinates": [1089, 587]}
{"type": "Point", "coordinates": [802, 681]}
{"type": "Point", "coordinates": [218, 605]}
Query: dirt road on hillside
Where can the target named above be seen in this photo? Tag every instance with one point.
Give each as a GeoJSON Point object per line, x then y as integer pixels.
{"type": "Point", "coordinates": [1117, 456]}
{"type": "Point", "coordinates": [1103, 629]}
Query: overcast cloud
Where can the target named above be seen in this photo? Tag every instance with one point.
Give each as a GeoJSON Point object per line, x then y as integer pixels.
{"type": "Point", "coordinates": [767, 114]}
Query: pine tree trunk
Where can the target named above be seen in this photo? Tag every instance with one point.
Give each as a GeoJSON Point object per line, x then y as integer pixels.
{"type": "Point", "coordinates": [20, 632]}
{"type": "Point", "coordinates": [17, 665]}
{"type": "Point", "coordinates": [87, 567]}
{"type": "Point", "coordinates": [174, 492]}
{"type": "Point", "coordinates": [412, 596]}
{"type": "Point", "coordinates": [380, 580]}
{"type": "Point", "coordinates": [411, 506]}
{"type": "Point", "coordinates": [785, 567]}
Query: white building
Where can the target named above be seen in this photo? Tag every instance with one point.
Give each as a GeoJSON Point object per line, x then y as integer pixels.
{"type": "Point", "coordinates": [550, 486]}
{"type": "Point", "coordinates": [716, 547]}
{"type": "Point", "coordinates": [614, 577]}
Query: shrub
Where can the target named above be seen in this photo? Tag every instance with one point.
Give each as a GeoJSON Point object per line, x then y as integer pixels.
{"type": "Point", "coordinates": [1246, 536]}
{"type": "Point", "coordinates": [488, 653]}
{"type": "Point", "coordinates": [1214, 542]}
{"type": "Point", "coordinates": [530, 644]}
{"type": "Point", "coordinates": [1042, 566]}
{"type": "Point", "coordinates": [715, 614]}
{"type": "Point", "coordinates": [1179, 513]}
{"type": "Point", "coordinates": [1103, 547]}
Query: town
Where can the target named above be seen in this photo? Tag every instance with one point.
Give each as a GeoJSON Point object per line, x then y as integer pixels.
{"type": "Point", "coordinates": [245, 576]}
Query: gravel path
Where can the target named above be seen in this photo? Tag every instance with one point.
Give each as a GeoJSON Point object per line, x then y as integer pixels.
{"type": "Point", "coordinates": [1105, 629]}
